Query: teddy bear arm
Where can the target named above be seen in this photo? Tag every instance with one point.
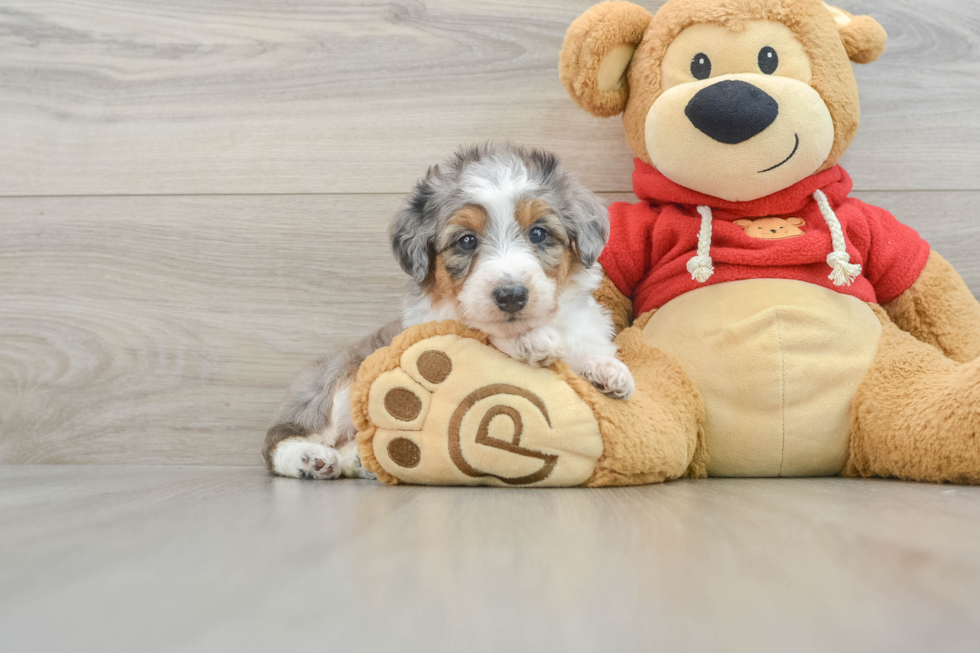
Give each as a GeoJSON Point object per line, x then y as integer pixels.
{"type": "Point", "coordinates": [940, 310]}
{"type": "Point", "coordinates": [619, 305]}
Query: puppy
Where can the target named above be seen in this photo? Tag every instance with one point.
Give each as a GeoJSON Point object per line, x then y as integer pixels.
{"type": "Point", "coordinates": [499, 237]}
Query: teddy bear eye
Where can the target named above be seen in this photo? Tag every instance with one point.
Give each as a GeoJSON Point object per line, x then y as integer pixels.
{"type": "Point", "coordinates": [768, 60]}
{"type": "Point", "coordinates": [701, 66]}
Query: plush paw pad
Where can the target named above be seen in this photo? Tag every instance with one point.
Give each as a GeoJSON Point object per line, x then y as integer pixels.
{"type": "Point", "coordinates": [456, 412]}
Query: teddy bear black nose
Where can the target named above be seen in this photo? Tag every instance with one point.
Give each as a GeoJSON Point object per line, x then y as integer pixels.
{"type": "Point", "coordinates": [732, 111]}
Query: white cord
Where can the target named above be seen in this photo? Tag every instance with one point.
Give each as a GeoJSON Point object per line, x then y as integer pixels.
{"type": "Point", "coordinates": [843, 272]}
{"type": "Point", "coordinates": [700, 266]}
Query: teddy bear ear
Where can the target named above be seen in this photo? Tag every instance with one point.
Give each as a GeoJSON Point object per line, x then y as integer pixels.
{"type": "Point", "coordinates": [864, 38]}
{"type": "Point", "coordinates": [743, 223]}
{"type": "Point", "coordinates": [796, 222]}
{"type": "Point", "coordinates": [597, 51]}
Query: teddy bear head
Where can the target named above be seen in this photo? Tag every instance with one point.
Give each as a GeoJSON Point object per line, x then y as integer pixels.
{"type": "Point", "coordinates": [737, 99]}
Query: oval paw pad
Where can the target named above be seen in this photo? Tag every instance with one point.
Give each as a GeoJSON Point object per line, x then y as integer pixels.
{"type": "Point", "coordinates": [397, 401]}
{"type": "Point", "coordinates": [404, 405]}
{"type": "Point", "coordinates": [404, 452]}
{"type": "Point", "coordinates": [434, 366]}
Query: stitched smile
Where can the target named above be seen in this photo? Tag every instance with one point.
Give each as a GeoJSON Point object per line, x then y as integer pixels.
{"type": "Point", "coordinates": [792, 154]}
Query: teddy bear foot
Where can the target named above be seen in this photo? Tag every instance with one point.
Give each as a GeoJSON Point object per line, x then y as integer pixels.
{"type": "Point", "coordinates": [916, 414]}
{"type": "Point", "coordinates": [448, 410]}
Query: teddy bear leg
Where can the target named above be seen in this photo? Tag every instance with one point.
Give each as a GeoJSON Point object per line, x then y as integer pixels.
{"type": "Point", "coordinates": [916, 415]}
{"type": "Point", "coordinates": [658, 434]}
{"type": "Point", "coordinates": [440, 407]}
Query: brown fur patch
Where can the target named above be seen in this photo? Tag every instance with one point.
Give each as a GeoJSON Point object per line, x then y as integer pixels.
{"type": "Point", "coordinates": [447, 281]}
{"type": "Point", "coordinates": [471, 217]}
{"type": "Point", "coordinates": [445, 287]}
{"type": "Point", "coordinates": [530, 211]}
{"type": "Point", "coordinates": [568, 264]}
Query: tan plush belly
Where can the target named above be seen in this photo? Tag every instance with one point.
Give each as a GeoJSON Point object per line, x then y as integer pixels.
{"type": "Point", "coordinates": [777, 363]}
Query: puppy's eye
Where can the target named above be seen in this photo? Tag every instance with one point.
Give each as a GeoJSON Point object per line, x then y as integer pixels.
{"type": "Point", "coordinates": [537, 235]}
{"type": "Point", "coordinates": [701, 66]}
{"type": "Point", "coordinates": [467, 243]}
{"type": "Point", "coordinates": [768, 60]}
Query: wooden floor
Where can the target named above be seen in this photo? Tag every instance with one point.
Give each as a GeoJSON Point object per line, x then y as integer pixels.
{"type": "Point", "coordinates": [193, 199]}
{"type": "Point", "coordinates": [228, 559]}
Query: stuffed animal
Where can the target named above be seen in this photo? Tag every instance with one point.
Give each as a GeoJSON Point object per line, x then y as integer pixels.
{"type": "Point", "coordinates": [774, 325]}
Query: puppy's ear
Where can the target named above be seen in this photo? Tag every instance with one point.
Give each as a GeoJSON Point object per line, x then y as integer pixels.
{"type": "Point", "coordinates": [796, 222]}
{"type": "Point", "coordinates": [864, 38]}
{"type": "Point", "coordinates": [596, 53]}
{"type": "Point", "coordinates": [590, 230]}
{"type": "Point", "coordinates": [413, 229]}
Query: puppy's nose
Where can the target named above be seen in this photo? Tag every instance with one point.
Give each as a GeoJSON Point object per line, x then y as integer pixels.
{"type": "Point", "coordinates": [510, 299]}
{"type": "Point", "coordinates": [732, 111]}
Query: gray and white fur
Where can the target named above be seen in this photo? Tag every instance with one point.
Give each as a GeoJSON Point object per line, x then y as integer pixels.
{"type": "Point", "coordinates": [503, 239]}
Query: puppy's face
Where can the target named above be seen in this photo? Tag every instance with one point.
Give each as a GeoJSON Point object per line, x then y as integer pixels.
{"type": "Point", "coordinates": [503, 264]}
{"type": "Point", "coordinates": [497, 235]}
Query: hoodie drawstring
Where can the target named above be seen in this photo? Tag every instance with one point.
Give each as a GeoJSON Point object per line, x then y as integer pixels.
{"type": "Point", "coordinates": [700, 265]}
{"type": "Point", "coordinates": [842, 271]}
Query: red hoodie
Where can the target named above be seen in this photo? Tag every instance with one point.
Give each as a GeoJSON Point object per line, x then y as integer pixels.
{"type": "Point", "coordinates": [651, 242]}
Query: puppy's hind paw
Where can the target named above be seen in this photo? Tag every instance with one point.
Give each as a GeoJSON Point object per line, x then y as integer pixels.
{"type": "Point", "coordinates": [350, 462]}
{"type": "Point", "coordinates": [610, 376]}
{"type": "Point", "coordinates": [302, 459]}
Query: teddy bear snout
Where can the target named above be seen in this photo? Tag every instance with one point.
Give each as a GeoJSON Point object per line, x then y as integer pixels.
{"type": "Point", "coordinates": [732, 111]}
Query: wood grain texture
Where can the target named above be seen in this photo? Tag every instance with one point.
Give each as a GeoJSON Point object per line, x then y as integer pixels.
{"type": "Point", "coordinates": [164, 330]}
{"type": "Point", "coordinates": [163, 559]}
{"type": "Point", "coordinates": [246, 96]}
{"type": "Point", "coordinates": [140, 328]}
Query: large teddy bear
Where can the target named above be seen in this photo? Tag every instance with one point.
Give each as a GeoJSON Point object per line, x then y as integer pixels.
{"type": "Point", "coordinates": [775, 325]}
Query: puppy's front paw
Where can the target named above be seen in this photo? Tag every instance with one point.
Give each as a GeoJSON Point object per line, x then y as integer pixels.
{"type": "Point", "coordinates": [610, 376]}
{"type": "Point", "coordinates": [303, 459]}
{"type": "Point", "coordinates": [540, 347]}
{"type": "Point", "coordinates": [546, 346]}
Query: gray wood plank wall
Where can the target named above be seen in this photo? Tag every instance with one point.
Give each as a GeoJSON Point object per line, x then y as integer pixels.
{"type": "Point", "coordinates": [193, 193]}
